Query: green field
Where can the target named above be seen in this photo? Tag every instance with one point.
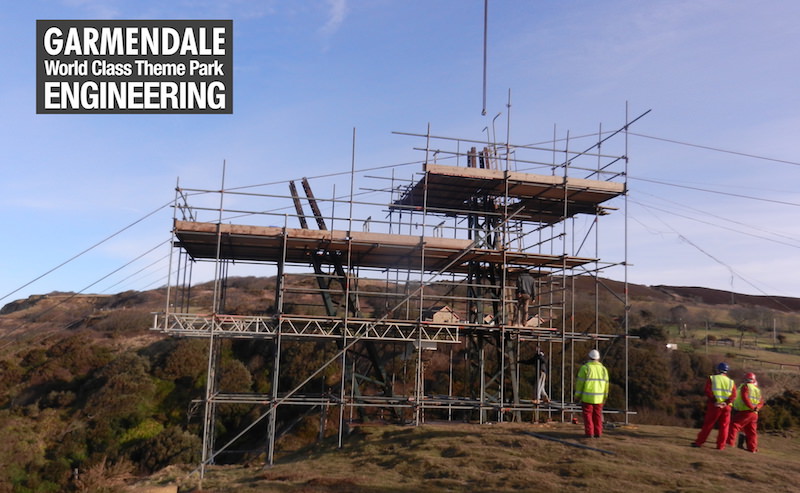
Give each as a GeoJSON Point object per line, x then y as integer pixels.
{"type": "Point", "coordinates": [445, 457]}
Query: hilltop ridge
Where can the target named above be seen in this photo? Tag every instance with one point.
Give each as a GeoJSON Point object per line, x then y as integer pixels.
{"type": "Point", "coordinates": [637, 292]}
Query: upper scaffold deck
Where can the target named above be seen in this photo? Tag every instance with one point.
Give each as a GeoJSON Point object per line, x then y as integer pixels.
{"type": "Point", "coordinates": [377, 250]}
{"type": "Point", "coordinates": [540, 198]}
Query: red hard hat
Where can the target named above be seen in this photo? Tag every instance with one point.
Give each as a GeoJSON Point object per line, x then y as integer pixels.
{"type": "Point", "coordinates": [750, 377]}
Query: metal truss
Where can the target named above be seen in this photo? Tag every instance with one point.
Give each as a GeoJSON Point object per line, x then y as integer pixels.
{"type": "Point", "coordinates": [241, 326]}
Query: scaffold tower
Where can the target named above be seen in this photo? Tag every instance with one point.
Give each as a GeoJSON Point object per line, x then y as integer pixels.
{"type": "Point", "coordinates": [411, 299]}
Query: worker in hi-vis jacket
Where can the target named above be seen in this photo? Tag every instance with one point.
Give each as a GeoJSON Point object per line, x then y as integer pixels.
{"type": "Point", "coordinates": [745, 412]}
{"type": "Point", "coordinates": [721, 393]}
{"type": "Point", "coordinates": [591, 391]}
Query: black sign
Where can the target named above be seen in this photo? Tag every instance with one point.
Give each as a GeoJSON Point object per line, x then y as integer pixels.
{"type": "Point", "coordinates": [125, 66]}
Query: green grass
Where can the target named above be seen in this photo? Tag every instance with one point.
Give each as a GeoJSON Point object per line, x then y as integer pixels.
{"type": "Point", "coordinates": [504, 458]}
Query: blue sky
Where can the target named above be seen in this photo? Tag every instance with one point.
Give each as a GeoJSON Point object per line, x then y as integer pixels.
{"type": "Point", "coordinates": [720, 75]}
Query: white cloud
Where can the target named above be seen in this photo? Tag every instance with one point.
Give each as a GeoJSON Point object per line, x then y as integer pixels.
{"type": "Point", "coordinates": [336, 14]}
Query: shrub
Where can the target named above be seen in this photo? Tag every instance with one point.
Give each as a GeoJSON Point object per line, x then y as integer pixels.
{"type": "Point", "coordinates": [78, 355]}
{"type": "Point", "coordinates": [187, 360]}
{"type": "Point", "coordinates": [123, 321]}
{"type": "Point", "coordinates": [58, 399]}
{"type": "Point", "coordinates": [650, 332]}
{"type": "Point", "coordinates": [34, 358]}
{"type": "Point", "coordinates": [12, 375]}
{"type": "Point", "coordinates": [171, 446]}
{"type": "Point", "coordinates": [234, 376]}
{"type": "Point", "coordinates": [144, 430]}
{"type": "Point", "coordinates": [104, 476]}
{"type": "Point", "coordinates": [781, 412]}
{"type": "Point", "coordinates": [123, 396]}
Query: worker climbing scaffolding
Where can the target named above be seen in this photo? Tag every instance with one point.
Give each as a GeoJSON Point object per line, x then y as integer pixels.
{"type": "Point", "coordinates": [526, 292]}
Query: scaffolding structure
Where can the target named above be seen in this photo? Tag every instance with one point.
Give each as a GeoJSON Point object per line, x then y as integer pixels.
{"type": "Point", "coordinates": [432, 281]}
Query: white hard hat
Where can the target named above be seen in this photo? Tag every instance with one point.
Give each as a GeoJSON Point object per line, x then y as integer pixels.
{"type": "Point", "coordinates": [593, 354]}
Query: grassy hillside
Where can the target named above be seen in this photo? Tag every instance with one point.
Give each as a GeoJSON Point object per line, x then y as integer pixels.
{"type": "Point", "coordinates": [506, 458]}
{"type": "Point", "coordinates": [86, 385]}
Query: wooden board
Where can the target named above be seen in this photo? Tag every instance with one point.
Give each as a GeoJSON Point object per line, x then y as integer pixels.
{"type": "Point", "coordinates": [542, 198]}
{"type": "Point", "coordinates": [377, 250]}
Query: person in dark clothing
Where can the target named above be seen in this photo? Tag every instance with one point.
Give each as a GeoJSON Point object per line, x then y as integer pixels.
{"type": "Point", "coordinates": [540, 362]}
{"type": "Point", "coordinates": [525, 293]}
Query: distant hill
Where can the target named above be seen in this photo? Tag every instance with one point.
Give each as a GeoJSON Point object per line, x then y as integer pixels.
{"type": "Point", "coordinates": [717, 297]}
{"type": "Point", "coordinates": [693, 294]}
{"type": "Point", "coordinates": [637, 292]}
{"type": "Point", "coordinates": [254, 295]}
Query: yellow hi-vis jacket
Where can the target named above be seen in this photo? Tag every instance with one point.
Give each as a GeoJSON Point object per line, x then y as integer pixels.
{"type": "Point", "coordinates": [721, 386]}
{"type": "Point", "coordinates": [753, 395]}
{"type": "Point", "coordinates": [591, 386]}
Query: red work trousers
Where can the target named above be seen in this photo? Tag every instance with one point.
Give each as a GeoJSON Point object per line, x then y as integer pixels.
{"type": "Point", "coordinates": [592, 419]}
{"type": "Point", "coordinates": [747, 422]}
{"type": "Point", "coordinates": [714, 415]}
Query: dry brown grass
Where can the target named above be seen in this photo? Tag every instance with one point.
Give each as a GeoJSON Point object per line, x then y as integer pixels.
{"type": "Point", "coordinates": [506, 458]}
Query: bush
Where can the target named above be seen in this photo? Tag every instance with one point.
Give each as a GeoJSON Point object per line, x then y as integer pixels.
{"type": "Point", "coordinates": [104, 476]}
{"type": "Point", "coordinates": [234, 376]}
{"type": "Point", "coordinates": [124, 322]}
{"type": "Point", "coordinates": [78, 355]}
{"type": "Point", "coordinates": [12, 375]}
{"type": "Point", "coordinates": [650, 332]}
{"type": "Point", "coordinates": [143, 431]}
{"type": "Point", "coordinates": [171, 446]}
{"type": "Point", "coordinates": [666, 385]}
{"type": "Point", "coordinates": [782, 412]}
{"type": "Point", "coordinates": [188, 360]}
{"type": "Point", "coordinates": [124, 396]}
